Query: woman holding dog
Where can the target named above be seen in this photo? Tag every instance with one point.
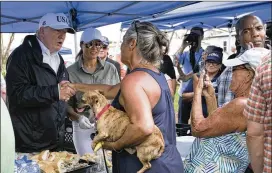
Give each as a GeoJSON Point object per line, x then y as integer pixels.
{"type": "Point", "coordinates": [88, 69]}
{"type": "Point", "coordinates": [145, 96]}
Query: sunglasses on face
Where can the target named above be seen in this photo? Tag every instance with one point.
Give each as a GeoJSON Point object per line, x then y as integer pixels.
{"type": "Point", "coordinates": [213, 63]}
{"type": "Point", "coordinates": [104, 47]}
{"type": "Point", "coordinates": [97, 44]}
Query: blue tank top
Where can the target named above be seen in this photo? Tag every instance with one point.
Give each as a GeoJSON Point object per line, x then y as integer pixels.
{"type": "Point", "coordinates": [164, 117]}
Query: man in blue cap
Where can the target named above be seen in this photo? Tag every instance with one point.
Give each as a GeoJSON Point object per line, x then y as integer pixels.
{"type": "Point", "coordinates": [104, 53]}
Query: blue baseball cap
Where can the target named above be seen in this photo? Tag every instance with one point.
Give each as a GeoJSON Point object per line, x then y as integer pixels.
{"type": "Point", "coordinates": [105, 40]}
{"type": "Point", "coordinates": [215, 56]}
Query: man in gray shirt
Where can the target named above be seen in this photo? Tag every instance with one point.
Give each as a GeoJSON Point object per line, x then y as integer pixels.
{"type": "Point", "coordinates": [104, 55]}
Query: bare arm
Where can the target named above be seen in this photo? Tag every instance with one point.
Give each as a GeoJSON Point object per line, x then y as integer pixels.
{"type": "Point", "coordinates": [209, 94]}
{"type": "Point", "coordinates": [211, 103]}
{"type": "Point", "coordinates": [221, 121]}
{"type": "Point", "coordinates": [110, 91]}
{"type": "Point", "coordinates": [182, 76]}
{"type": "Point", "coordinates": [255, 145]}
{"type": "Point", "coordinates": [187, 97]}
{"type": "Point", "coordinates": [140, 114]}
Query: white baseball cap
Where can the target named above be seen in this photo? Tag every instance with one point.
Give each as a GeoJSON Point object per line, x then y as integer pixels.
{"type": "Point", "coordinates": [252, 57]}
{"type": "Point", "coordinates": [90, 34]}
{"type": "Point", "coordinates": [56, 21]}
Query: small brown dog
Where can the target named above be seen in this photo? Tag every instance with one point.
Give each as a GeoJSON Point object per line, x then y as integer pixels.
{"type": "Point", "coordinates": [112, 123]}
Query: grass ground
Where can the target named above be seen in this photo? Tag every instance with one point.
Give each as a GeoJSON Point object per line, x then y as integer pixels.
{"type": "Point", "coordinates": [176, 99]}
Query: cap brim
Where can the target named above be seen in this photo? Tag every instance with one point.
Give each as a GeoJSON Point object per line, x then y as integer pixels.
{"type": "Point", "coordinates": [90, 39]}
{"type": "Point", "coordinates": [69, 29]}
{"type": "Point", "coordinates": [106, 44]}
{"type": "Point", "coordinates": [233, 62]}
{"type": "Point", "coordinates": [216, 59]}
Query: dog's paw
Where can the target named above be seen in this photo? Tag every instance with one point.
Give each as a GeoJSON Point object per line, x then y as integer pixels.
{"type": "Point", "coordinates": [98, 146]}
{"type": "Point", "coordinates": [93, 145]}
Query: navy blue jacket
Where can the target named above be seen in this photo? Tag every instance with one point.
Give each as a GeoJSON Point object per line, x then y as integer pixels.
{"type": "Point", "coordinates": [36, 112]}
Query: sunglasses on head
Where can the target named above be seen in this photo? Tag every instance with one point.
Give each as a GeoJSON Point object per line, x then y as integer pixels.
{"type": "Point", "coordinates": [97, 44]}
{"type": "Point", "coordinates": [134, 24]}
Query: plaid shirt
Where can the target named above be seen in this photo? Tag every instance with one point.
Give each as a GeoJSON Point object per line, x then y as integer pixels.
{"type": "Point", "coordinates": [225, 95]}
{"type": "Point", "coordinates": [259, 107]}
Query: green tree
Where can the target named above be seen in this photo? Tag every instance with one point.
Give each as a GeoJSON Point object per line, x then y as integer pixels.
{"type": "Point", "coordinates": [5, 51]}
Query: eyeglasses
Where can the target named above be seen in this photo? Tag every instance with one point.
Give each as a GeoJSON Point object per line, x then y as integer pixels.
{"type": "Point", "coordinates": [105, 47]}
{"type": "Point", "coordinates": [135, 27]}
{"type": "Point", "coordinates": [97, 44]}
{"type": "Point", "coordinates": [213, 63]}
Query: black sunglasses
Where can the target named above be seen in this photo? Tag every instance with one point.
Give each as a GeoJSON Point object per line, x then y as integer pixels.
{"type": "Point", "coordinates": [105, 47]}
{"type": "Point", "coordinates": [97, 44]}
{"type": "Point", "coordinates": [214, 63]}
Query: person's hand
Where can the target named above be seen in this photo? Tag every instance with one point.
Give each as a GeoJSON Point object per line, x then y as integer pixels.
{"type": "Point", "coordinates": [64, 82]}
{"type": "Point", "coordinates": [66, 91]}
{"type": "Point", "coordinates": [249, 45]}
{"type": "Point", "coordinates": [68, 83]}
{"type": "Point", "coordinates": [106, 145]}
{"type": "Point", "coordinates": [85, 123]}
{"type": "Point", "coordinates": [176, 61]}
{"type": "Point", "coordinates": [269, 46]}
{"type": "Point", "coordinates": [185, 43]}
{"type": "Point", "coordinates": [208, 89]}
{"type": "Point", "coordinates": [72, 85]}
{"type": "Point", "coordinates": [198, 83]}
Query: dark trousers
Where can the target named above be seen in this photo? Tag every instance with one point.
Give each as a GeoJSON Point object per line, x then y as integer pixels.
{"type": "Point", "coordinates": [249, 170]}
{"type": "Point", "coordinates": [184, 111]}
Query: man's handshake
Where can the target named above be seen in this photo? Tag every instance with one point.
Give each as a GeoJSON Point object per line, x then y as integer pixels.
{"type": "Point", "coordinates": [66, 91]}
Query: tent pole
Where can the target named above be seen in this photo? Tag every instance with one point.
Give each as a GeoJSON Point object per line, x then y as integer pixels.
{"type": "Point", "coordinates": [229, 45]}
{"type": "Point", "coordinates": [118, 45]}
{"type": "Point", "coordinates": [173, 32]}
{"type": "Point", "coordinates": [75, 42]}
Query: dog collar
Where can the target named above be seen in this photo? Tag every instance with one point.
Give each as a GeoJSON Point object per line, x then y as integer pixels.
{"type": "Point", "coordinates": [102, 111]}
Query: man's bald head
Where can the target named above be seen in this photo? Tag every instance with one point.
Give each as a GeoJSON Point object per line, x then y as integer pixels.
{"type": "Point", "coordinates": [241, 21]}
{"type": "Point", "coordinates": [250, 28]}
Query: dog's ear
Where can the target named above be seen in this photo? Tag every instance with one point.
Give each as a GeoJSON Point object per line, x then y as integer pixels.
{"type": "Point", "coordinates": [101, 92]}
{"type": "Point", "coordinates": [80, 94]}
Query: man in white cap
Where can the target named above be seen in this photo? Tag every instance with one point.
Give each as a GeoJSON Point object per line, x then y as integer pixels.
{"type": "Point", "coordinates": [35, 92]}
{"type": "Point", "coordinates": [251, 57]}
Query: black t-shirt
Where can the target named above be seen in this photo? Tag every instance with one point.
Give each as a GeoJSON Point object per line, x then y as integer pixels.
{"type": "Point", "coordinates": [167, 67]}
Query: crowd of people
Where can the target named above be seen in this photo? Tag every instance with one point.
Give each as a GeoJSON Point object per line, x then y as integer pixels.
{"type": "Point", "coordinates": [228, 103]}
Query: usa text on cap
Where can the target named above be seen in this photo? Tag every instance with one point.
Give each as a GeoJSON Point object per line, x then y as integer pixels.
{"type": "Point", "coordinates": [56, 21]}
